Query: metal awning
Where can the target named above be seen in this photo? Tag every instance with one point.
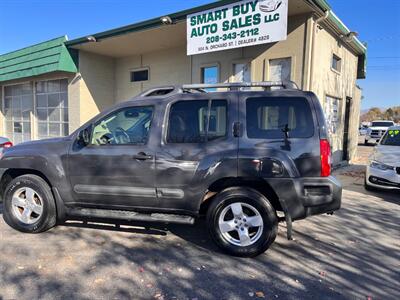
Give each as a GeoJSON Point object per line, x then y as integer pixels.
{"type": "Point", "coordinates": [49, 56]}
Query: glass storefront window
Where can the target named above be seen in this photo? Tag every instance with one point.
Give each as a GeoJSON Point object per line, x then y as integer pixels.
{"type": "Point", "coordinates": [18, 106]}
{"type": "Point", "coordinates": [52, 108]}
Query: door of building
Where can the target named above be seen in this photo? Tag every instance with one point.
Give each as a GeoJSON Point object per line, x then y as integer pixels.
{"type": "Point", "coordinates": [346, 129]}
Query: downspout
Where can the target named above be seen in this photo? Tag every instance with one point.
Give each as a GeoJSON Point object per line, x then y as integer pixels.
{"type": "Point", "coordinates": [315, 28]}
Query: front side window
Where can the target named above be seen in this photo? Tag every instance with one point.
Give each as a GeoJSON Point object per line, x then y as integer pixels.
{"type": "Point", "coordinates": [269, 118]}
{"type": "Point", "coordinates": [197, 121]}
{"type": "Point", "coordinates": [391, 138]}
{"type": "Point", "coordinates": [128, 126]}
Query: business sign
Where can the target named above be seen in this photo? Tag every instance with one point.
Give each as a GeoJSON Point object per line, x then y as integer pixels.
{"type": "Point", "coordinates": [240, 24]}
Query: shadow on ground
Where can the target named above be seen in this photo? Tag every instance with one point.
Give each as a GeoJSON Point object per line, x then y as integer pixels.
{"type": "Point", "coordinates": [351, 254]}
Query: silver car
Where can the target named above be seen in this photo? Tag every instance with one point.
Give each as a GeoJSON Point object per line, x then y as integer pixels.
{"type": "Point", "coordinates": [383, 171]}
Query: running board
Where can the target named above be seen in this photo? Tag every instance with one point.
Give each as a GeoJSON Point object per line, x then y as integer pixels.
{"type": "Point", "coordinates": [130, 215]}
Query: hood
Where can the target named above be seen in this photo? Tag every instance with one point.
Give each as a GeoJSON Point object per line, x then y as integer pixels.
{"type": "Point", "coordinates": [387, 154]}
{"type": "Point", "coordinates": [39, 142]}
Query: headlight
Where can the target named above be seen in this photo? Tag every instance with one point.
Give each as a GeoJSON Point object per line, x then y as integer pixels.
{"type": "Point", "coordinates": [369, 130]}
{"type": "Point", "coordinates": [380, 166]}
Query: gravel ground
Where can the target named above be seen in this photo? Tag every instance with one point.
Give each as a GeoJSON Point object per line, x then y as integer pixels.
{"type": "Point", "coordinates": [353, 254]}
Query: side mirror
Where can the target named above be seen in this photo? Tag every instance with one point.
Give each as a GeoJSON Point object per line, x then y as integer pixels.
{"type": "Point", "coordinates": [84, 136]}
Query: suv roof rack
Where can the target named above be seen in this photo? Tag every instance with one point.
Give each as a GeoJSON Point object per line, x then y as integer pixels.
{"type": "Point", "coordinates": [202, 88]}
{"type": "Point", "coordinates": [236, 85]}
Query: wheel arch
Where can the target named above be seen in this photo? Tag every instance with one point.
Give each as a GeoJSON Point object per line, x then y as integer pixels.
{"type": "Point", "coordinates": [12, 173]}
{"type": "Point", "coordinates": [259, 184]}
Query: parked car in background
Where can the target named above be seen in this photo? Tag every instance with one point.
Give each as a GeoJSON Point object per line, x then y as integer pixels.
{"type": "Point", "coordinates": [383, 171]}
{"type": "Point", "coordinates": [377, 130]}
{"type": "Point", "coordinates": [5, 143]}
{"type": "Point", "coordinates": [363, 130]}
{"type": "Point", "coordinates": [175, 153]}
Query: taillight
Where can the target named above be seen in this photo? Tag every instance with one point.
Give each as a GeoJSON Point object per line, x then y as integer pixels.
{"type": "Point", "coordinates": [325, 150]}
{"type": "Point", "coordinates": [6, 145]}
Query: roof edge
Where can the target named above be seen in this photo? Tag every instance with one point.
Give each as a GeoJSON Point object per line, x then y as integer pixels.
{"type": "Point", "coordinates": [63, 37]}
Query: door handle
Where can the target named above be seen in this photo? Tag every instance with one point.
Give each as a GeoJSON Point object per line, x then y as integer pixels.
{"type": "Point", "coordinates": [142, 156]}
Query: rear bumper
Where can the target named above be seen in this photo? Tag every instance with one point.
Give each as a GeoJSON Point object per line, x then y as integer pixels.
{"type": "Point", "coordinates": [304, 197]}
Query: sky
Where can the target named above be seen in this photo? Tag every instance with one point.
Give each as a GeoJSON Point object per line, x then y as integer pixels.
{"type": "Point", "coordinates": [26, 22]}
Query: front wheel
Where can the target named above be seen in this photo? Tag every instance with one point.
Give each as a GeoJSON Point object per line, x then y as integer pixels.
{"type": "Point", "coordinates": [242, 222]}
{"type": "Point", "coordinates": [29, 204]}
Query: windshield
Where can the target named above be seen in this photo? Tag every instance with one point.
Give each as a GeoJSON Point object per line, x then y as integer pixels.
{"type": "Point", "coordinates": [391, 138]}
{"type": "Point", "coordinates": [382, 124]}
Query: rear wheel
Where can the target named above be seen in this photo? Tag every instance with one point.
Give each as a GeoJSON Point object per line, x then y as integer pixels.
{"type": "Point", "coordinates": [29, 204]}
{"type": "Point", "coordinates": [242, 222]}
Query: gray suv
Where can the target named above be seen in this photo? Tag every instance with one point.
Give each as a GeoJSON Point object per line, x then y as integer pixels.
{"type": "Point", "coordinates": [246, 155]}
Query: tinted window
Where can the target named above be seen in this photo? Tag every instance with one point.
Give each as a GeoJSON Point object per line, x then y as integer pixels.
{"type": "Point", "coordinates": [391, 138]}
{"type": "Point", "coordinates": [130, 125]}
{"type": "Point", "coordinates": [268, 117]}
{"type": "Point", "coordinates": [195, 122]}
{"type": "Point", "coordinates": [140, 75]}
{"type": "Point", "coordinates": [382, 124]}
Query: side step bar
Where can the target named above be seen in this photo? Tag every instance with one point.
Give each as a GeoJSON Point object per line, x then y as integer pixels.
{"type": "Point", "coordinates": [130, 215]}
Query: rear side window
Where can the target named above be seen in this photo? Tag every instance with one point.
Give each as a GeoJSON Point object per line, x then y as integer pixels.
{"type": "Point", "coordinates": [268, 117]}
{"type": "Point", "coordinates": [197, 121]}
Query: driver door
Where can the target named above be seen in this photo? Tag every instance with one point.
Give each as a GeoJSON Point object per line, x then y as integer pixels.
{"type": "Point", "coordinates": [116, 169]}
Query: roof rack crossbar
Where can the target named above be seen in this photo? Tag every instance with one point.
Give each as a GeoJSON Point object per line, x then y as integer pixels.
{"type": "Point", "coordinates": [236, 85]}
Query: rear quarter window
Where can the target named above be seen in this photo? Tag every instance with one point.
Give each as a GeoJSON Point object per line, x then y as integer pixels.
{"type": "Point", "coordinates": [267, 117]}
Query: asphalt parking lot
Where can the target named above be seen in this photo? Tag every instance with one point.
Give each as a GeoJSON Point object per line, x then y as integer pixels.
{"type": "Point", "coordinates": [353, 254]}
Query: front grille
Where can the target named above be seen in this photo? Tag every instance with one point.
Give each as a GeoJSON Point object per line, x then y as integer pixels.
{"type": "Point", "coordinates": [376, 132]}
{"type": "Point", "coordinates": [398, 170]}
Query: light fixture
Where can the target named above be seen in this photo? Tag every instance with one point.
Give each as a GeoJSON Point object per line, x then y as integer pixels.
{"type": "Point", "coordinates": [166, 20]}
{"type": "Point", "coordinates": [91, 38]}
{"type": "Point", "coordinates": [349, 36]}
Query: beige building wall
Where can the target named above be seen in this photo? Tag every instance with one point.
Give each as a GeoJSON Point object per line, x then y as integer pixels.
{"type": "Point", "coordinates": [166, 67]}
{"type": "Point", "coordinates": [326, 81]}
{"type": "Point", "coordinates": [96, 84]}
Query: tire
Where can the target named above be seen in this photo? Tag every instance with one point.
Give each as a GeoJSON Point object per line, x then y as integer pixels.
{"type": "Point", "coordinates": [35, 215]}
{"type": "Point", "coordinates": [221, 209]}
{"type": "Point", "coordinates": [366, 142]}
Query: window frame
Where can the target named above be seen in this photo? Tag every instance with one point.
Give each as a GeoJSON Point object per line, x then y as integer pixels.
{"type": "Point", "coordinates": [48, 122]}
{"type": "Point", "coordinates": [339, 63]}
{"type": "Point", "coordinates": [98, 120]}
{"type": "Point", "coordinates": [138, 70]}
{"type": "Point", "coordinates": [210, 65]}
{"type": "Point", "coordinates": [307, 102]}
{"type": "Point", "coordinates": [167, 118]}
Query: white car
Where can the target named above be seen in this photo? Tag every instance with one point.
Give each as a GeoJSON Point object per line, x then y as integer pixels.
{"type": "Point", "coordinates": [377, 130]}
{"type": "Point", "coordinates": [383, 171]}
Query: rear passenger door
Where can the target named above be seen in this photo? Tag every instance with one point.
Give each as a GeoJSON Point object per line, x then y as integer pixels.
{"type": "Point", "coordinates": [197, 146]}
{"type": "Point", "coordinates": [280, 126]}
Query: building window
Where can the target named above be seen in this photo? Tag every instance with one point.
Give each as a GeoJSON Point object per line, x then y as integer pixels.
{"type": "Point", "coordinates": [242, 72]}
{"type": "Point", "coordinates": [197, 121]}
{"type": "Point", "coordinates": [336, 63]}
{"type": "Point", "coordinates": [140, 75]}
{"type": "Point", "coordinates": [18, 106]}
{"type": "Point", "coordinates": [52, 108]}
{"type": "Point", "coordinates": [280, 69]}
{"type": "Point", "coordinates": [209, 75]}
{"type": "Point", "coordinates": [332, 114]}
